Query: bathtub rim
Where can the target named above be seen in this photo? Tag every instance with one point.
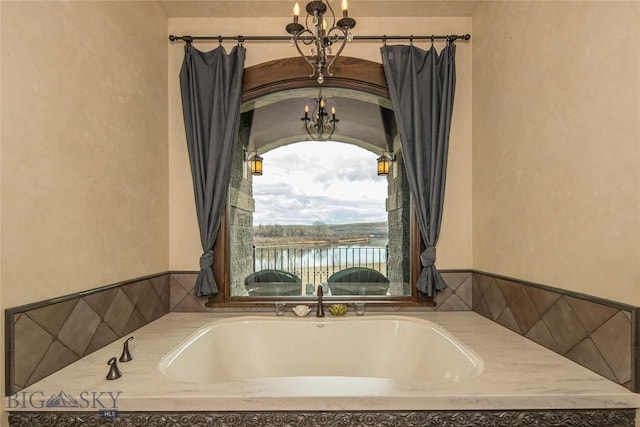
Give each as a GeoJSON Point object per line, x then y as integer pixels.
{"type": "Point", "coordinates": [146, 389]}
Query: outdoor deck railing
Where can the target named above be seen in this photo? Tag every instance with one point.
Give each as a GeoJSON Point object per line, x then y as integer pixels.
{"type": "Point", "coordinates": [315, 265]}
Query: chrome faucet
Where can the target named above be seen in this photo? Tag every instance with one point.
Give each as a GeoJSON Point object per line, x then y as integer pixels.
{"type": "Point", "coordinates": [320, 311]}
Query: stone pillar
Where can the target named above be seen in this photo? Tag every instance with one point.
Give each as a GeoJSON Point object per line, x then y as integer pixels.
{"type": "Point", "coordinates": [399, 218]}
{"type": "Point", "coordinates": [241, 208]}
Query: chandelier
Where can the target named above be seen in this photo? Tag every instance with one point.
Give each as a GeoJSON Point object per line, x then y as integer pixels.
{"type": "Point", "coordinates": [320, 35]}
{"type": "Point", "coordinates": [319, 126]}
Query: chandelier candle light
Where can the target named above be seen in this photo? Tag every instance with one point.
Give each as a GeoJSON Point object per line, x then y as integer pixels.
{"type": "Point", "coordinates": [319, 126]}
{"type": "Point", "coordinates": [318, 35]}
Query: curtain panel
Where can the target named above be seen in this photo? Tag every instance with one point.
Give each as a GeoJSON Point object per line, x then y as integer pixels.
{"type": "Point", "coordinates": [422, 89]}
{"type": "Point", "coordinates": [211, 87]}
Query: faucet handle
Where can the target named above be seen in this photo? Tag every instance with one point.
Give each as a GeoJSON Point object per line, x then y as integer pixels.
{"type": "Point", "coordinates": [114, 372]}
{"type": "Point", "coordinates": [126, 354]}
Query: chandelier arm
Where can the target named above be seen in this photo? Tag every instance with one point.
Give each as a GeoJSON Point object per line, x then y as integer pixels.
{"type": "Point", "coordinates": [342, 46]}
{"type": "Point", "coordinates": [306, 127]}
{"type": "Point", "coordinates": [295, 42]}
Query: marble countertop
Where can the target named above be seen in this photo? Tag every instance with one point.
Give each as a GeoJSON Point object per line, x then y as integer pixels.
{"type": "Point", "coordinates": [518, 374]}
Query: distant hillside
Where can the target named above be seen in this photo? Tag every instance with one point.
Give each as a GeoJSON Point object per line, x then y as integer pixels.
{"type": "Point", "coordinates": [318, 233]}
{"type": "Point", "coordinates": [361, 228]}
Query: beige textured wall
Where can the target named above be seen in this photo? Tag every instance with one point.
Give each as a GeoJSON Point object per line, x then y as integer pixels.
{"type": "Point", "coordinates": [84, 146]}
{"type": "Point", "coordinates": [556, 144]}
{"type": "Point", "coordinates": [454, 248]}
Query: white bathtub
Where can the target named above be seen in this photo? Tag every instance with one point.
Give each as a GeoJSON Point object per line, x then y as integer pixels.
{"type": "Point", "coordinates": [394, 347]}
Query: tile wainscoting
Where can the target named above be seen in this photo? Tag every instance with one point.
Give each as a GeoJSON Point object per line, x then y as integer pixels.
{"type": "Point", "coordinates": [44, 337]}
{"type": "Point", "coordinates": [604, 336]}
{"type": "Point", "coordinates": [598, 334]}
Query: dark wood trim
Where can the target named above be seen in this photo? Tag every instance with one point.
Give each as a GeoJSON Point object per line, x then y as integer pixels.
{"type": "Point", "coordinates": [293, 73]}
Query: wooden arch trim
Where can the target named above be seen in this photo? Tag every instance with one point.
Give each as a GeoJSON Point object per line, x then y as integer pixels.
{"type": "Point", "coordinates": [293, 73]}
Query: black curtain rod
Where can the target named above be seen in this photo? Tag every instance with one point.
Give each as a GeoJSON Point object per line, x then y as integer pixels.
{"type": "Point", "coordinates": [382, 38]}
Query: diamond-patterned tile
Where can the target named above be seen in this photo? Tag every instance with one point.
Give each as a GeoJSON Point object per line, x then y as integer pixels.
{"type": "Point", "coordinates": [483, 309]}
{"type": "Point", "coordinates": [454, 280]}
{"type": "Point", "coordinates": [103, 336]}
{"type": "Point", "coordinates": [100, 301]}
{"type": "Point", "coordinates": [566, 329]}
{"type": "Point", "coordinates": [541, 298]}
{"type": "Point", "coordinates": [453, 303]}
{"type": "Point", "coordinates": [52, 317]}
{"type": "Point", "coordinates": [523, 310]}
{"type": "Point", "coordinates": [540, 334]}
{"type": "Point", "coordinates": [465, 292]}
{"type": "Point", "coordinates": [509, 289]}
{"type": "Point", "coordinates": [186, 280]}
{"type": "Point", "coordinates": [148, 301]}
{"type": "Point", "coordinates": [133, 290]}
{"type": "Point", "coordinates": [136, 321]}
{"type": "Point", "coordinates": [506, 319]}
{"type": "Point", "coordinates": [118, 313]}
{"type": "Point", "coordinates": [177, 294]}
{"type": "Point", "coordinates": [587, 355]}
{"type": "Point", "coordinates": [613, 339]}
{"type": "Point", "coordinates": [495, 301]}
{"type": "Point", "coordinates": [31, 344]}
{"type": "Point", "coordinates": [627, 314]}
{"type": "Point", "coordinates": [57, 357]}
{"type": "Point", "coordinates": [190, 304]}
{"type": "Point", "coordinates": [160, 310]}
{"type": "Point", "coordinates": [60, 333]}
{"type": "Point", "coordinates": [79, 328]}
{"type": "Point", "coordinates": [476, 295]}
{"type": "Point", "coordinates": [484, 282]}
{"type": "Point", "coordinates": [443, 295]}
{"type": "Point", "coordinates": [591, 314]}
{"type": "Point", "coordinates": [161, 285]}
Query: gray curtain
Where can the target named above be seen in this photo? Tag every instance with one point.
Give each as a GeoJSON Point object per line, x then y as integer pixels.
{"type": "Point", "coordinates": [211, 85]}
{"type": "Point", "coordinates": [422, 88]}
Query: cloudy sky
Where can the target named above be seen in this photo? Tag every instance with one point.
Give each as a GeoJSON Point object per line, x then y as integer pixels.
{"type": "Point", "coordinates": [312, 181]}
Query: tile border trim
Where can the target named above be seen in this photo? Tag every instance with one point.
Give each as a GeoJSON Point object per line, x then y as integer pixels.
{"type": "Point", "coordinates": [565, 292]}
{"type": "Point", "coordinates": [512, 418]}
{"type": "Point", "coordinates": [81, 294]}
